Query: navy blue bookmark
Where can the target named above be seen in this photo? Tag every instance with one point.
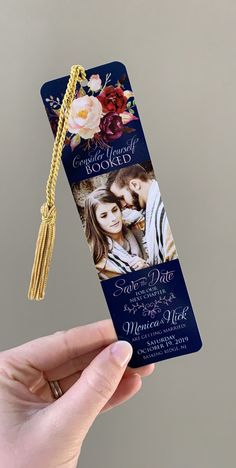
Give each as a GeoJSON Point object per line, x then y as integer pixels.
{"type": "Point", "coordinates": [117, 195]}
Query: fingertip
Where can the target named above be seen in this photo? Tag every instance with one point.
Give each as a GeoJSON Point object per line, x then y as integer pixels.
{"type": "Point", "coordinates": [137, 381]}
{"type": "Point", "coordinates": [121, 352]}
{"type": "Point", "coordinates": [143, 371]}
{"type": "Point", "coordinates": [134, 377]}
{"type": "Point", "coordinates": [149, 369]}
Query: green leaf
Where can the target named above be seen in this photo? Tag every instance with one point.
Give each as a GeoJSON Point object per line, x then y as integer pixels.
{"type": "Point", "coordinates": [127, 129]}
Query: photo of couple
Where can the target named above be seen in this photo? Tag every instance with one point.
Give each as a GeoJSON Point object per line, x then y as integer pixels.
{"type": "Point", "coordinates": [125, 222]}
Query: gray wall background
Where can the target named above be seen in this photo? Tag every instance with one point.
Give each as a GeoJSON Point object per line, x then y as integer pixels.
{"type": "Point", "coordinates": [180, 56]}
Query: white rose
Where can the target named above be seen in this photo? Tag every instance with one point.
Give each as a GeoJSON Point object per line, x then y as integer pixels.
{"type": "Point", "coordinates": [95, 83]}
{"type": "Point", "coordinates": [85, 116]}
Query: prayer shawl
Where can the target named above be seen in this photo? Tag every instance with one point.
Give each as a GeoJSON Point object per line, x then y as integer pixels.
{"type": "Point", "coordinates": [159, 239]}
{"type": "Point", "coordinates": [118, 259]}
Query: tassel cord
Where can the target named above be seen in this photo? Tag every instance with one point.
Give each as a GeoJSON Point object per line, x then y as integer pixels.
{"type": "Point", "coordinates": [46, 235]}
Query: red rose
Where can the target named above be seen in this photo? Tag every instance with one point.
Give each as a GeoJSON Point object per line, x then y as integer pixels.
{"type": "Point", "coordinates": [111, 127]}
{"type": "Point", "coordinates": [113, 100]}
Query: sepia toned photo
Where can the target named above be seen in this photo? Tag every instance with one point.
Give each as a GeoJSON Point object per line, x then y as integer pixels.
{"type": "Point", "coordinates": [124, 219]}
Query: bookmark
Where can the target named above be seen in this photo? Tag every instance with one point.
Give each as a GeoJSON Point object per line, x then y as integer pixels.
{"type": "Point", "coordinates": [99, 137]}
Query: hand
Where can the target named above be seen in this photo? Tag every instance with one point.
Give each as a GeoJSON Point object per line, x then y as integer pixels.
{"type": "Point", "coordinates": [138, 263]}
{"type": "Point", "coordinates": [38, 431]}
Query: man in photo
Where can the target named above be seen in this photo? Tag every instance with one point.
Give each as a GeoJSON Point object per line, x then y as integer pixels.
{"type": "Point", "coordinates": [135, 189]}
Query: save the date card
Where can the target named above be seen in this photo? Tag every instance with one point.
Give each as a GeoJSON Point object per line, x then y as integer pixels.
{"type": "Point", "coordinates": [117, 195]}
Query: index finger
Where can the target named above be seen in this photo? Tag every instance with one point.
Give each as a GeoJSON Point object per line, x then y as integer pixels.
{"type": "Point", "coordinates": [50, 351]}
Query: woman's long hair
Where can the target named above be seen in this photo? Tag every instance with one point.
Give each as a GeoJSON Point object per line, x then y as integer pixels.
{"type": "Point", "coordinates": [96, 237]}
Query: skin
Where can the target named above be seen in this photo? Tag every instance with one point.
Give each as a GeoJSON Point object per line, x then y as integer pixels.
{"type": "Point", "coordinates": [109, 218]}
{"type": "Point", "coordinates": [37, 430]}
{"type": "Point", "coordinates": [126, 195]}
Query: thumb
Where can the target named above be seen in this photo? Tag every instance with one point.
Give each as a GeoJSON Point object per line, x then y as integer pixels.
{"type": "Point", "coordinates": [77, 409]}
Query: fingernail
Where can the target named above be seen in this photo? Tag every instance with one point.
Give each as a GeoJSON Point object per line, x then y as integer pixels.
{"type": "Point", "coordinates": [122, 352]}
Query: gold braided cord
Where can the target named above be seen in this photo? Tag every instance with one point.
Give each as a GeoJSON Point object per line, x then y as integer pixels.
{"type": "Point", "coordinates": [77, 73]}
{"type": "Point", "coordinates": [46, 235]}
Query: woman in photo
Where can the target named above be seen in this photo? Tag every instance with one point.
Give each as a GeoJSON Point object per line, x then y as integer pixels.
{"type": "Point", "coordinates": [115, 248]}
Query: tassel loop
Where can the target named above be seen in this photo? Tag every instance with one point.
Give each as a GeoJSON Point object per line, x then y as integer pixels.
{"type": "Point", "coordinates": [48, 214]}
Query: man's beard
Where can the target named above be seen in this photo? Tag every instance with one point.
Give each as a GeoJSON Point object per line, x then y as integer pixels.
{"type": "Point", "coordinates": [135, 201]}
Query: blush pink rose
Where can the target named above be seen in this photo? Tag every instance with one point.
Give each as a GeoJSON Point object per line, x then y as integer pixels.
{"type": "Point", "coordinates": [95, 83]}
{"type": "Point", "coordinates": [85, 116]}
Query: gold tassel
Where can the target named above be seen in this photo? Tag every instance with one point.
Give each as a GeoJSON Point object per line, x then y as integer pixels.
{"type": "Point", "coordinates": [43, 253]}
{"type": "Point", "coordinates": [46, 235]}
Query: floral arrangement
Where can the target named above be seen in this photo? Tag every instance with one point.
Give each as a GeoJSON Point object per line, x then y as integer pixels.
{"type": "Point", "coordinates": [99, 113]}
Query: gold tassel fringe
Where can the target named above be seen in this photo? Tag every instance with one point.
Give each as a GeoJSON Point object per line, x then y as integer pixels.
{"type": "Point", "coordinates": [46, 235]}
{"type": "Point", "coordinates": [43, 253]}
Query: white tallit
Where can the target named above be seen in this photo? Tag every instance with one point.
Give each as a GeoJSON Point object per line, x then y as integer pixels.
{"type": "Point", "coordinates": [159, 239]}
{"type": "Point", "coordinates": [118, 258]}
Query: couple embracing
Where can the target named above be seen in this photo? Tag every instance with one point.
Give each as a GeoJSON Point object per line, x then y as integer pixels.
{"type": "Point", "coordinates": [126, 224]}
